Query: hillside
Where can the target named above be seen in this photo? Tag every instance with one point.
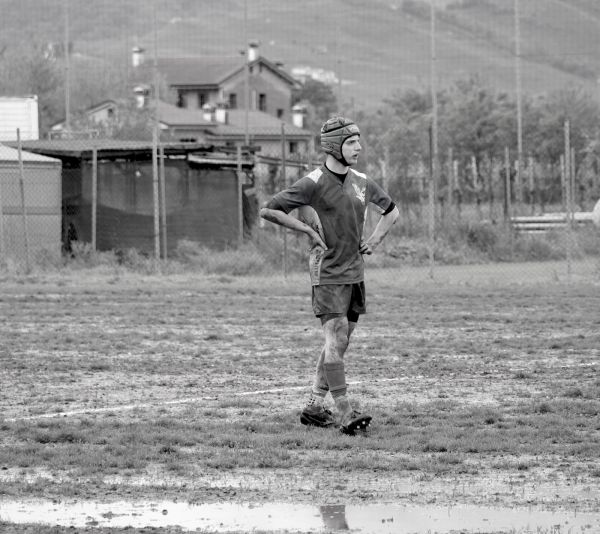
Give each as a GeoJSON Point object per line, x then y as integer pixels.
{"type": "Point", "coordinates": [378, 46]}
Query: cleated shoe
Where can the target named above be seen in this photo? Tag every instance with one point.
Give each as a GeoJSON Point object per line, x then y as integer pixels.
{"type": "Point", "coordinates": [356, 422]}
{"type": "Point", "coordinates": [313, 416]}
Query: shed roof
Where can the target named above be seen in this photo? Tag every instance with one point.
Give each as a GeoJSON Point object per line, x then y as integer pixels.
{"type": "Point", "coordinates": [11, 155]}
{"type": "Point", "coordinates": [112, 149]}
{"type": "Point", "coordinates": [106, 148]}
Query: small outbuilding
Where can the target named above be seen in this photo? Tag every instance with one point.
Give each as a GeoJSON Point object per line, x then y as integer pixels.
{"type": "Point", "coordinates": [30, 215]}
{"type": "Point", "coordinates": [208, 194]}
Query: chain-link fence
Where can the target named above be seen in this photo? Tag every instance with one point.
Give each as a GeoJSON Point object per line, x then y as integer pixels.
{"type": "Point", "coordinates": [152, 138]}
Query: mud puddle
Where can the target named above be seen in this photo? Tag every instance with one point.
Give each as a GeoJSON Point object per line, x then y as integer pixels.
{"type": "Point", "coordinates": [225, 517]}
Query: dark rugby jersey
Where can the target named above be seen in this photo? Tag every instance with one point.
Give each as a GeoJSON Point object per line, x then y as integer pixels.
{"type": "Point", "coordinates": [336, 210]}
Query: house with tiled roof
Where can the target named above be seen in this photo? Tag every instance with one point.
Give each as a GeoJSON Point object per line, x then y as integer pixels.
{"type": "Point", "coordinates": [249, 81]}
{"type": "Point", "coordinates": [230, 100]}
{"type": "Point", "coordinates": [210, 102]}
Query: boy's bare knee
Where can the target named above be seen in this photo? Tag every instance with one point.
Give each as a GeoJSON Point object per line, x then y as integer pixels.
{"type": "Point", "coordinates": [336, 339]}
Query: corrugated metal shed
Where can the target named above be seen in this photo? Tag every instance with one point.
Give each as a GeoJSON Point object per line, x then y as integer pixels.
{"type": "Point", "coordinates": [42, 194]}
{"type": "Point", "coordinates": [202, 200]}
{"type": "Point", "coordinates": [9, 155]}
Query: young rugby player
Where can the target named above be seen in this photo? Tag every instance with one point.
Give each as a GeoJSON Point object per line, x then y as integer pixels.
{"type": "Point", "coordinates": [331, 203]}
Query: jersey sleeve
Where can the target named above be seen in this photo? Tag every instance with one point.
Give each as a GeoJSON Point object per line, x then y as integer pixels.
{"type": "Point", "coordinates": [298, 194]}
{"type": "Point", "coordinates": [376, 195]}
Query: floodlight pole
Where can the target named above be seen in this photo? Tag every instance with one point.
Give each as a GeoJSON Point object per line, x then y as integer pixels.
{"type": "Point", "coordinates": [339, 65]}
{"type": "Point", "coordinates": [67, 71]}
{"type": "Point", "coordinates": [246, 76]}
{"type": "Point", "coordinates": [433, 178]}
{"type": "Point", "coordinates": [519, 165]}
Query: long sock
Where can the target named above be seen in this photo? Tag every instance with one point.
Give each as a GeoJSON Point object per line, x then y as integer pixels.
{"type": "Point", "coordinates": [336, 378]}
{"type": "Point", "coordinates": [344, 408]}
{"type": "Point", "coordinates": [317, 397]}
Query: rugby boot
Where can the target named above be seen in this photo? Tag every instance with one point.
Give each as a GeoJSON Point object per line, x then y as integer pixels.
{"type": "Point", "coordinates": [317, 416]}
{"type": "Point", "coordinates": [355, 421]}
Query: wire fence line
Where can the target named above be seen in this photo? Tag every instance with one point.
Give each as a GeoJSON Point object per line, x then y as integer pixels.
{"type": "Point", "coordinates": [162, 199]}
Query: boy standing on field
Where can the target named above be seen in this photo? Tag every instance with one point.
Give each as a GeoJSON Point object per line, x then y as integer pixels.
{"type": "Point", "coordinates": [331, 203]}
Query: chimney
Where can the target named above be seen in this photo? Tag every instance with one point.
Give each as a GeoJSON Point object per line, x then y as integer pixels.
{"type": "Point", "coordinates": [221, 113]}
{"type": "Point", "coordinates": [137, 56]}
{"type": "Point", "coordinates": [208, 112]}
{"type": "Point", "coordinates": [298, 115]}
{"type": "Point", "coordinates": [252, 51]}
{"type": "Point", "coordinates": [141, 96]}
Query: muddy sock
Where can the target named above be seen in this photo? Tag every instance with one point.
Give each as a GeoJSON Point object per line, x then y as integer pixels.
{"type": "Point", "coordinates": [344, 408]}
{"type": "Point", "coordinates": [317, 398]}
{"type": "Point", "coordinates": [336, 378]}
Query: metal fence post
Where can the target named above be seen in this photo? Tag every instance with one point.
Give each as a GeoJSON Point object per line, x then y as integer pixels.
{"type": "Point", "coordinates": [94, 196]}
{"type": "Point", "coordinates": [1, 222]}
{"type": "Point", "coordinates": [568, 196]}
{"type": "Point", "coordinates": [284, 180]}
{"type": "Point", "coordinates": [155, 193]}
{"type": "Point", "coordinates": [23, 209]}
{"type": "Point", "coordinates": [240, 197]}
{"type": "Point", "coordinates": [163, 201]}
{"type": "Point", "coordinates": [507, 188]}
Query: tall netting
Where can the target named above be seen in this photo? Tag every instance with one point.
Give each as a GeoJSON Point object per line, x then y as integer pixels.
{"type": "Point", "coordinates": [162, 126]}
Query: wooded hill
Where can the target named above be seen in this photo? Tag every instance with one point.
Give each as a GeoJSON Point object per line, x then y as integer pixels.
{"type": "Point", "coordinates": [378, 46]}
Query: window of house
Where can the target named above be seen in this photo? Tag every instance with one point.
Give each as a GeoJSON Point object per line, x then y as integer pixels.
{"type": "Point", "coordinates": [110, 113]}
{"type": "Point", "coordinates": [201, 99]}
{"type": "Point", "coordinates": [180, 99]}
{"type": "Point", "coordinates": [279, 113]}
{"type": "Point", "coordinates": [262, 102]}
{"type": "Point", "coordinates": [232, 101]}
{"type": "Point", "coordinates": [293, 147]}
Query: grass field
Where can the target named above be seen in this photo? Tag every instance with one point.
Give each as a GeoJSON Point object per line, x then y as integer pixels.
{"type": "Point", "coordinates": [118, 386]}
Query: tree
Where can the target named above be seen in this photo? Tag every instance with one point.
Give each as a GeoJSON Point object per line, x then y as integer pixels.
{"type": "Point", "coordinates": [396, 140]}
{"type": "Point", "coordinates": [320, 100]}
{"type": "Point", "coordinates": [478, 121]}
{"type": "Point", "coordinates": [27, 71]}
{"type": "Point", "coordinates": [583, 114]}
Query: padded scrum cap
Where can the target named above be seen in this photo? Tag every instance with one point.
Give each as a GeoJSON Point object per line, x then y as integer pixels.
{"type": "Point", "coordinates": [333, 134]}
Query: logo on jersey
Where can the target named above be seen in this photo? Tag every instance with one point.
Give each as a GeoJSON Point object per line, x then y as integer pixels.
{"type": "Point", "coordinates": [360, 193]}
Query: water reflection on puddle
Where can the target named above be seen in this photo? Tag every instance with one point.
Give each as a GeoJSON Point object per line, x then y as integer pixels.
{"type": "Point", "coordinates": [224, 517]}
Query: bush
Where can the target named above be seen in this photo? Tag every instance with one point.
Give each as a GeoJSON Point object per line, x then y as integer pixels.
{"type": "Point", "coordinates": [43, 260]}
{"type": "Point", "coordinates": [589, 240]}
{"type": "Point", "coordinates": [466, 242]}
{"type": "Point", "coordinates": [241, 261]}
{"type": "Point", "coordinates": [539, 247]}
{"type": "Point", "coordinates": [84, 255]}
{"type": "Point", "coordinates": [482, 236]}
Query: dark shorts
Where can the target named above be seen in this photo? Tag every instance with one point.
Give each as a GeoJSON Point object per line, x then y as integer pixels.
{"type": "Point", "coordinates": [339, 300]}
